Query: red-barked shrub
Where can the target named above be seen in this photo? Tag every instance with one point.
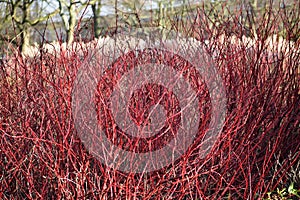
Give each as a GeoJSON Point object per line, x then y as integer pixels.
{"type": "Point", "coordinates": [42, 157]}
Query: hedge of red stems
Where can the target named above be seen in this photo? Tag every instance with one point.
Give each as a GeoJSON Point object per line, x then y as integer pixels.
{"type": "Point", "coordinates": [42, 156]}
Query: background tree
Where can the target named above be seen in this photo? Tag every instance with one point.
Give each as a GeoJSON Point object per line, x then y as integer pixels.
{"type": "Point", "coordinates": [23, 15]}
{"type": "Point", "coordinates": [96, 9]}
{"type": "Point", "coordinates": [101, 22]}
{"type": "Point", "coordinates": [158, 11]}
{"type": "Point", "coordinates": [6, 33]}
{"type": "Point", "coordinates": [68, 10]}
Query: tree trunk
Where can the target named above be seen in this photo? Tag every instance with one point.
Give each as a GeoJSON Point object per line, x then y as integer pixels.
{"type": "Point", "coordinates": [25, 39]}
{"type": "Point", "coordinates": [25, 35]}
{"type": "Point", "coordinates": [96, 8]}
{"type": "Point", "coordinates": [160, 14]}
{"type": "Point", "coordinates": [68, 21]}
{"type": "Point", "coordinates": [72, 24]}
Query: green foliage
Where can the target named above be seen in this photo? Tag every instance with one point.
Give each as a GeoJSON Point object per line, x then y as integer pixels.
{"type": "Point", "coordinates": [284, 193]}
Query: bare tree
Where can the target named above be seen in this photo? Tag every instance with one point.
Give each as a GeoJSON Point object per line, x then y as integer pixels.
{"type": "Point", "coordinates": [23, 16]}
{"type": "Point", "coordinates": [96, 9]}
{"type": "Point", "coordinates": [68, 10]}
